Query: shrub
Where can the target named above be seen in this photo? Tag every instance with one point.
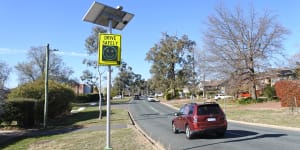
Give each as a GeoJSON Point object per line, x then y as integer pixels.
{"type": "Point", "coordinates": [269, 92]}
{"type": "Point", "coordinates": [25, 111]}
{"type": "Point", "coordinates": [82, 98]}
{"type": "Point", "coordinates": [59, 97]}
{"type": "Point", "coordinates": [9, 113]}
{"type": "Point", "coordinates": [168, 96]}
{"type": "Point", "coordinates": [288, 91]}
{"type": "Point", "coordinates": [85, 98]}
{"type": "Point", "coordinates": [247, 100]}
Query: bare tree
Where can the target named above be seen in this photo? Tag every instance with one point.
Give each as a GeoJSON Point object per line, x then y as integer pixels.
{"type": "Point", "coordinates": [89, 76]}
{"type": "Point", "coordinates": [34, 68]}
{"type": "Point", "coordinates": [243, 44]}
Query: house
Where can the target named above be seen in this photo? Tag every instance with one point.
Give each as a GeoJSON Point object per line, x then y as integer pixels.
{"type": "Point", "coordinates": [211, 85]}
{"type": "Point", "coordinates": [271, 76]}
{"type": "Point", "coordinates": [82, 88]}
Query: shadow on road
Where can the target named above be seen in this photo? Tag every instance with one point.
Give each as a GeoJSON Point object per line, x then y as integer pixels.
{"type": "Point", "coordinates": [243, 135]}
{"type": "Point", "coordinates": [148, 116]}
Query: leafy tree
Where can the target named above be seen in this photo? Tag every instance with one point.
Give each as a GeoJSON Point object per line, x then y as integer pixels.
{"type": "Point", "coordinates": [124, 79]}
{"type": "Point", "coordinates": [242, 44]}
{"type": "Point", "coordinates": [4, 73]}
{"type": "Point", "coordinates": [171, 60]}
{"type": "Point", "coordinates": [127, 81]}
{"type": "Point", "coordinates": [34, 68]}
{"type": "Point", "coordinates": [139, 84]}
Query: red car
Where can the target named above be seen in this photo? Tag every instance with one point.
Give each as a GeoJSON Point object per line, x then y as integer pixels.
{"type": "Point", "coordinates": [196, 118]}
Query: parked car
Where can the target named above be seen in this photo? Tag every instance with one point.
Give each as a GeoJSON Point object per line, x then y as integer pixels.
{"type": "Point", "coordinates": [222, 96]}
{"type": "Point", "coordinates": [117, 97]}
{"type": "Point", "coordinates": [158, 94]}
{"type": "Point", "coordinates": [152, 99]}
{"type": "Point", "coordinates": [203, 118]}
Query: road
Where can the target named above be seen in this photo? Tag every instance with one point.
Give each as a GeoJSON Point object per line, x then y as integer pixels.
{"type": "Point", "coordinates": [155, 118]}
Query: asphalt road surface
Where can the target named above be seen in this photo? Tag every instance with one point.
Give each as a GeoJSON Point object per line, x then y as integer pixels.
{"type": "Point", "coordinates": [155, 118]}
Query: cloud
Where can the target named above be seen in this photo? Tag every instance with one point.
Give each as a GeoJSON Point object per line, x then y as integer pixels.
{"type": "Point", "coordinates": [75, 54]}
{"type": "Point", "coordinates": [8, 51]}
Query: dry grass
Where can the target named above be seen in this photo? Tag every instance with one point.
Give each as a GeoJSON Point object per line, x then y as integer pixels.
{"type": "Point", "coordinates": [125, 139]}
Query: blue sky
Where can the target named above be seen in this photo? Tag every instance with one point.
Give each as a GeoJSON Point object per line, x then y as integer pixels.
{"type": "Point", "coordinates": [59, 22]}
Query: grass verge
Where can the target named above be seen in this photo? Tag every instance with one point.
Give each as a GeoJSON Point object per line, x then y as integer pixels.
{"type": "Point", "coordinates": [121, 138]}
{"type": "Point", "coordinates": [126, 139]}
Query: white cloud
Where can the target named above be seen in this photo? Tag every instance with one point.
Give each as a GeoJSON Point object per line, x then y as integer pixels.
{"type": "Point", "coordinates": [8, 51]}
{"type": "Point", "coordinates": [76, 54]}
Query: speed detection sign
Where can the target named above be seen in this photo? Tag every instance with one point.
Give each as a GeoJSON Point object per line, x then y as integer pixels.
{"type": "Point", "coordinates": [109, 49]}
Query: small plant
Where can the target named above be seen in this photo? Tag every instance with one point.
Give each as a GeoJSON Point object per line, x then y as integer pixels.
{"type": "Point", "coordinates": [247, 100]}
{"type": "Point", "coordinates": [269, 92]}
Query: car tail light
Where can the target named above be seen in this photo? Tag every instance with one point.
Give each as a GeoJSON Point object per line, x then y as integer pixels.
{"type": "Point", "coordinates": [223, 118]}
{"type": "Point", "coordinates": [195, 119]}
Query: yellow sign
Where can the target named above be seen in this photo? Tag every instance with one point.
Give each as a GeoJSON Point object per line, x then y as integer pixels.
{"type": "Point", "coordinates": [109, 49]}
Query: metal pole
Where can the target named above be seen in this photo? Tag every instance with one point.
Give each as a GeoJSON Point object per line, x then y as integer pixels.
{"type": "Point", "coordinates": [46, 86]}
{"type": "Point", "coordinates": [100, 95]}
{"type": "Point", "coordinates": [108, 97]}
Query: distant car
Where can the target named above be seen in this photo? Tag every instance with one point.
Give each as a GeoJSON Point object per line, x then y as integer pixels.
{"type": "Point", "coordinates": [152, 99]}
{"type": "Point", "coordinates": [117, 97]}
{"type": "Point", "coordinates": [221, 96]}
{"type": "Point", "coordinates": [196, 118]}
{"type": "Point", "coordinates": [159, 95]}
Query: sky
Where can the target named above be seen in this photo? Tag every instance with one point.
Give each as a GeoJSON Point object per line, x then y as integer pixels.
{"type": "Point", "coordinates": [33, 23]}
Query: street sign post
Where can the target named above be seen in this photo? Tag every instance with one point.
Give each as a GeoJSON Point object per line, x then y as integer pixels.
{"type": "Point", "coordinates": [109, 49]}
{"type": "Point", "coordinates": [113, 18]}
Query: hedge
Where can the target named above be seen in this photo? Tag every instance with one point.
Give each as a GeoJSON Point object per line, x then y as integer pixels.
{"type": "Point", "coordinates": [59, 98]}
{"type": "Point", "coordinates": [85, 98]}
{"type": "Point", "coordinates": [20, 110]}
{"type": "Point", "coordinates": [287, 90]}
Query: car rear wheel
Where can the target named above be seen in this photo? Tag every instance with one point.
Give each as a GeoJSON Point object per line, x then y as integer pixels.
{"type": "Point", "coordinates": [174, 129]}
{"type": "Point", "coordinates": [188, 132]}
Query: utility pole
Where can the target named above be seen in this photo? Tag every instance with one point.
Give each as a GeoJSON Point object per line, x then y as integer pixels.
{"type": "Point", "coordinates": [46, 87]}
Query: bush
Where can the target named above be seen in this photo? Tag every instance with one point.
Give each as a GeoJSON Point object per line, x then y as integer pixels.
{"type": "Point", "coordinates": [269, 92]}
{"type": "Point", "coordinates": [168, 96]}
{"type": "Point", "coordinates": [287, 91]}
{"type": "Point", "coordinates": [9, 113]}
{"type": "Point", "coordinates": [85, 98]}
{"type": "Point", "coordinates": [59, 97]}
{"type": "Point", "coordinates": [20, 110]}
{"type": "Point", "coordinates": [247, 100]}
{"type": "Point", "coordinates": [82, 98]}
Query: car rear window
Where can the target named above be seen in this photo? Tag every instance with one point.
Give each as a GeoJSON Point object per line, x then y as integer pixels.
{"type": "Point", "coordinates": [208, 110]}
